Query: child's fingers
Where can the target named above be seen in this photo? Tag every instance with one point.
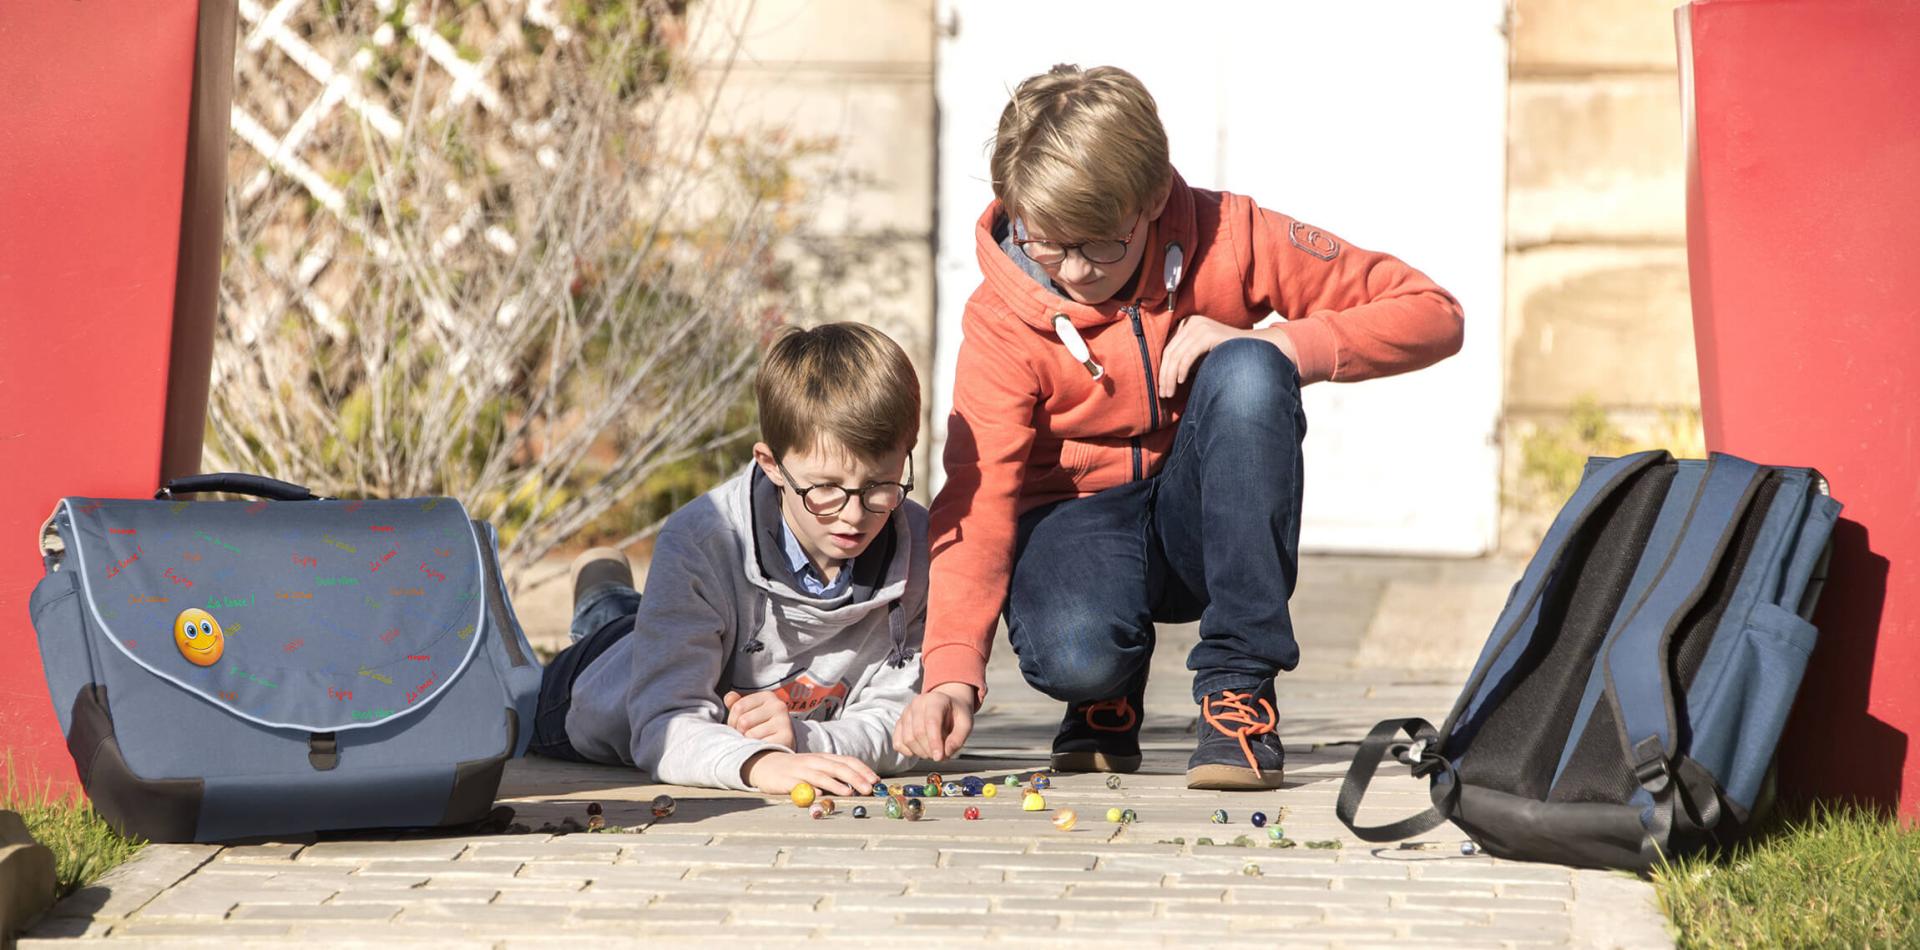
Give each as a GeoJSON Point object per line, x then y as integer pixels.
{"type": "Point", "coordinates": [733, 696]}
{"type": "Point", "coordinates": [957, 736]}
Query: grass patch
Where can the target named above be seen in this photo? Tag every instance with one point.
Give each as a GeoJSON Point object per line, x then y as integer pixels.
{"type": "Point", "coordinates": [83, 846]}
{"type": "Point", "coordinates": [1835, 877]}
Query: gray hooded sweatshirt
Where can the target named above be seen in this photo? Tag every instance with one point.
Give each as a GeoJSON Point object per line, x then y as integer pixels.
{"type": "Point", "coordinates": [721, 612]}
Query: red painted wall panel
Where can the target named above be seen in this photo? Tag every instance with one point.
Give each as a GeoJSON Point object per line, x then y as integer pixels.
{"type": "Point", "coordinates": [93, 135]}
{"type": "Point", "coordinates": [1803, 232]}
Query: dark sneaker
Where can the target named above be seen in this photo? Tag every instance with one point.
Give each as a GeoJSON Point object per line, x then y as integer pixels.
{"type": "Point", "coordinates": [1239, 742]}
{"type": "Point", "coordinates": [1101, 736]}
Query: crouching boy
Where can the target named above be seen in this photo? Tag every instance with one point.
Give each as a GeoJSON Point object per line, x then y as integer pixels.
{"type": "Point", "coordinates": [779, 637]}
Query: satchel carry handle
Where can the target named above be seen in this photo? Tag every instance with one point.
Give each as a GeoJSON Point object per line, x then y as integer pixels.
{"type": "Point", "coordinates": [238, 483]}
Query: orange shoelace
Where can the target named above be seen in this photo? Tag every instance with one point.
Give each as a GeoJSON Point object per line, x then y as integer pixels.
{"type": "Point", "coordinates": [1119, 707]}
{"type": "Point", "coordinates": [1234, 716]}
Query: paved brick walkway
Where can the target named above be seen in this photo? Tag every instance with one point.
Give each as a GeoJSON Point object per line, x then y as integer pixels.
{"type": "Point", "coordinates": [749, 869]}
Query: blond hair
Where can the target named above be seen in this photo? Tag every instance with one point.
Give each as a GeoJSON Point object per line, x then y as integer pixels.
{"type": "Point", "coordinates": [1080, 152]}
{"type": "Point", "coordinates": [847, 382]}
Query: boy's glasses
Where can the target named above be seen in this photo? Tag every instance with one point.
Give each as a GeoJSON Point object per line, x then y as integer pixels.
{"type": "Point", "coordinates": [877, 497]}
{"type": "Point", "coordinates": [1095, 252]}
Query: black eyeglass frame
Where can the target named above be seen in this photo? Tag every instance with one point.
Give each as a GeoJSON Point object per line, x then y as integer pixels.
{"type": "Point", "coordinates": [848, 494]}
{"type": "Point", "coordinates": [1080, 247]}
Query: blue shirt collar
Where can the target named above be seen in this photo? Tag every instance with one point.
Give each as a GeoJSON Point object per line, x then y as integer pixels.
{"type": "Point", "coordinates": [804, 571]}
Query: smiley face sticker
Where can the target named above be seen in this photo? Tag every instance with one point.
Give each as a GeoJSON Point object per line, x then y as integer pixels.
{"type": "Point", "coordinates": [198, 636]}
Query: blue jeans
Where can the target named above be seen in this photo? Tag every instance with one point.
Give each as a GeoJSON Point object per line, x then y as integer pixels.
{"type": "Point", "coordinates": [1215, 536]}
{"type": "Point", "coordinates": [603, 618]}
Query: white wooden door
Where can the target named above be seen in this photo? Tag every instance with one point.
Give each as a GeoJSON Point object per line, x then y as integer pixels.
{"type": "Point", "coordinates": [1383, 121]}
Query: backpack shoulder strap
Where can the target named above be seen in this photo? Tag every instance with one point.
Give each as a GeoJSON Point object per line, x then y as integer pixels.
{"type": "Point", "coordinates": [1637, 659]}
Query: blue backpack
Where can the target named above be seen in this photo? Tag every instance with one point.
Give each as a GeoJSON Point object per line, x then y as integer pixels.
{"type": "Point", "coordinates": [1627, 706]}
{"type": "Point", "coordinates": [236, 670]}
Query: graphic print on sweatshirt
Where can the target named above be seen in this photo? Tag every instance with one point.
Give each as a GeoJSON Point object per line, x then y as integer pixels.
{"type": "Point", "coordinates": [805, 696]}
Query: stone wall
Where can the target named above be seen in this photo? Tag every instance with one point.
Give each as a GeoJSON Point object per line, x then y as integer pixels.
{"type": "Point", "coordinates": [852, 80]}
{"type": "Point", "coordinates": [1599, 334]}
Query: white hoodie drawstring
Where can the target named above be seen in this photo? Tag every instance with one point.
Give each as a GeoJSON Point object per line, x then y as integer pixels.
{"type": "Point", "coordinates": [1063, 328]}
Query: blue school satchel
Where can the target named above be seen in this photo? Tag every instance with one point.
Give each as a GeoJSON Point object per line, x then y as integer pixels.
{"type": "Point", "coordinates": [239, 670]}
{"type": "Point", "coordinates": [1627, 705]}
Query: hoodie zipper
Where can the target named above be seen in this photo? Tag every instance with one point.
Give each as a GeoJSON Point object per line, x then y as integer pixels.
{"type": "Point", "coordinates": [1146, 365]}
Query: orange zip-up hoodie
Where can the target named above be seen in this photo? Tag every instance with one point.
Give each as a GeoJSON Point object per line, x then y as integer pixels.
{"type": "Point", "coordinates": [1032, 423]}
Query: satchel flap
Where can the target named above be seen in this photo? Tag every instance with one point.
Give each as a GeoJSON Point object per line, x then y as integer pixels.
{"type": "Point", "coordinates": [313, 615]}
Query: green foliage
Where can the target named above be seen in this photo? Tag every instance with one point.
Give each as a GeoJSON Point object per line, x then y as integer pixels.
{"type": "Point", "coordinates": [1834, 877]}
{"type": "Point", "coordinates": [83, 847]}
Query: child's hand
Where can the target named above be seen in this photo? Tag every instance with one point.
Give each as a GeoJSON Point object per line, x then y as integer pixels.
{"type": "Point", "coordinates": [776, 773]}
{"type": "Point", "coordinates": [937, 722]}
{"type": "Point", "coordinates": [761, 716]}
{"type": "Point", "coordinates": [1196, 337]}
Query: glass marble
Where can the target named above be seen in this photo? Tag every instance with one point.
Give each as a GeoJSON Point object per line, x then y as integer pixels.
{"type": "Point", "coordinates": [1469, 849]}
{"type": "Point", "coordinates": [933, 778]}
{"type": "Point", "coordinates": [1065, 819]}
{"type": "Point", "coordinates": [827, 804]}
{"type": "Point", "coordinates": [817, 811]}
{"type": "Point", "coordinates": [802, 795]}
{"type": "Point", "coordinates": [1219, 816]}
{"type": "Point", "coordinates": [1012, 781]}
{"type": "Point", "coordinates": [879, 789]}
{"type": "Point", "coordinates": [915, 809]}
{"type": "Point", "coordinates": [1113, 815]}
{"type": "Point", "coordinates": [1128, 816]}
{"type": "Point", "coordinates": [972, 814]}
{"type": "Point", "coordinates": [989, 791]}
{"type": "Point", "coordinates": [972, 785]}
{"type": "Point", "coordinates": [893, 808]}
{"type": "Point", "coordinates": [951, 790]}
{"type": "Point", "coordinates": [915, 791]}
{"type": "Point", "coordinates": [1113, 781]}
{"type": "Point", "coordinates": [1040, 781]}
{"type": "Point", "coordinates": [1033, 802]}
{"type": "Point", "coordinates": [859, 811]}
{"type": "Point", "coordinates": [1259, 819]}
{"type": "Point", "coordinates": [930, 790]}
{"type": "Point", "coordinates": [1276, 833]}
{"type": "Point", "coordinates": [663, 806]}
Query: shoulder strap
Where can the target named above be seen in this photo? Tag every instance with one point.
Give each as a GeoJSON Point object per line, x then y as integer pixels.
{"type": "Point", "coordinates": [1637, 660]}
{"type": "Point", "coordinates": [1425, 759]}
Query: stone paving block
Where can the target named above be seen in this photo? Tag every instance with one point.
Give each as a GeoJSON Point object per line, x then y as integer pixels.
{"type": "Point", "coordinates": [964, 923]}
{"type": "Point", "coordinates": [223, 931]}
{"type": "Point", "coordinates": [1558, 892]}
{"type": "Point", "coordinates": [990, 859]}
{"type": "Point", "coordinates": [1488, 871]}
{"type": "Point", "coordinates": [343, 912]}
{"type": "Point", "coordinates": [747, 855]}
{"type": "Point", "coordinates": [1507, 904]}
{"type": "Point", "coordinates": [358, 852]}
{"type": "Point", "coordinates": [1314, 896]}
{"type": "Point", "coordinates": [656, 915]}
{"type": "Point", "coordinates": [1027, 877]}
{"type": "Point", "coordinates": [814, 886]}
{"type": "Point", "coordinates": [68, 928]}
{"type": "Point", "coordinates": [122, 890]}
{"type": "Point", "coordinates": [420, 895]}
{"type": "Point", "coordinates": [951, 844]}
{"type": "Point", "coordinates": [911, 902]}
{"type": "Point", "coordinates": [960, 876]}
{"type": "Point", "coordinates": [1093, 890]}
{"type": "Point", "coordinates": [729, 899]}
{"type": "Point", "coordinates": [1105, 907]}
{"type": "Point", "coordinates": [485, 916]}
{"type": "Point", "coordinates": [1426, 887]}
{"type": "Point", "coordinates": [811, 857]}
{"type": "Point", "coordinates": [439, 869]}
{"type": "Point", "coordinates": [258, 854]}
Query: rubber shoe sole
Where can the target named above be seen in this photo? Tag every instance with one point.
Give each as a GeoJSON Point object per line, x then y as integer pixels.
{"type": "Point", "coordinates": [1095, 762]}
{"type": "Point", "coordinates": [1233, 778]}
